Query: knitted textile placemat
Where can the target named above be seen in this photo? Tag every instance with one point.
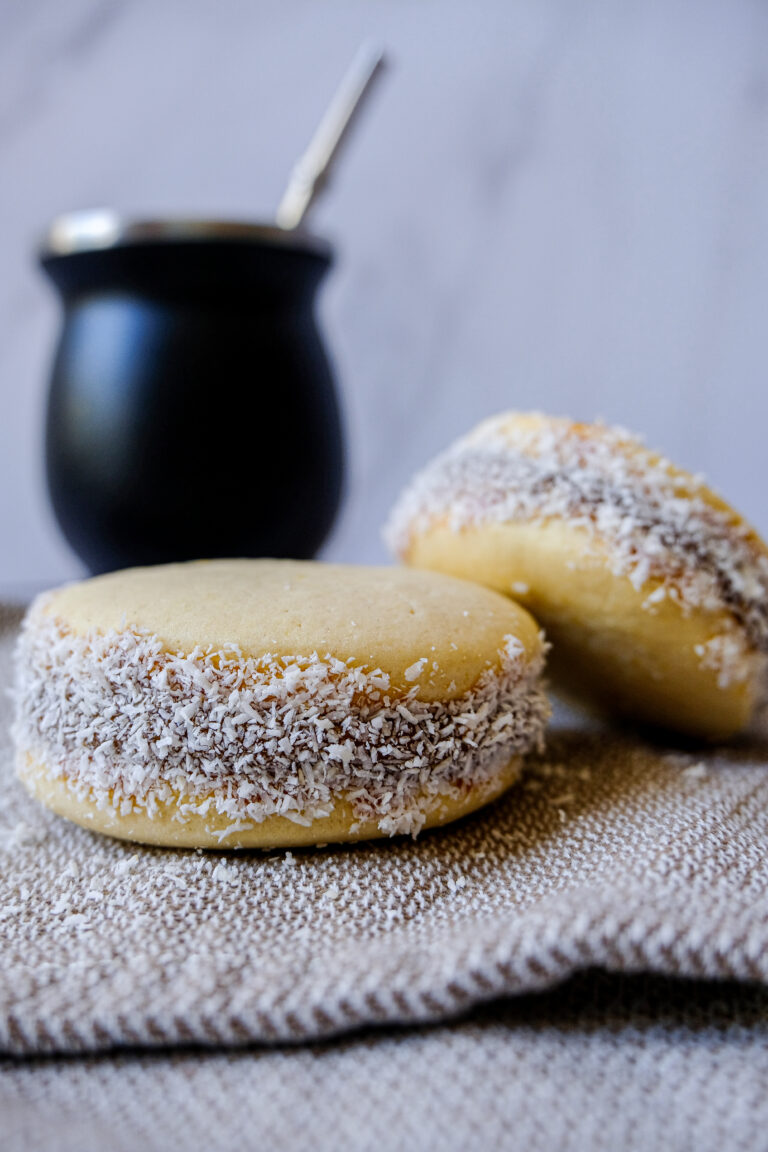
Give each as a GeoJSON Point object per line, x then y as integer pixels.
{"type": "Point", "coordinates": [613, 854]}
{"type": "Point", "coordinates": [601, 1063]}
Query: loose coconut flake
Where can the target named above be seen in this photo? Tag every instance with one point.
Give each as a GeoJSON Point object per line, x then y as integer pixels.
{"type": "Point", "coordinates": [130, 726]}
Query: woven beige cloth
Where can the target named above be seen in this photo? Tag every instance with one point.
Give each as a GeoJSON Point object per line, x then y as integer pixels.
{"type": "Point", "coordinates": [613, 854]}
{"type": "Point", "coordinates": [602, 1064]}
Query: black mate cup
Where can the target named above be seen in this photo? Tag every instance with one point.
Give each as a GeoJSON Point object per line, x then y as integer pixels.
{"type": "Point", "coordinates": [192, 408]}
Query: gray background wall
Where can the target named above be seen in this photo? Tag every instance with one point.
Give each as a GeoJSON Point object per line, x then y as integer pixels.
{"type": "Point", "coordinates": [560, 205]}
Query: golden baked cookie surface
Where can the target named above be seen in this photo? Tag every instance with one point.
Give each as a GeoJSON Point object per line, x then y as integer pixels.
{"type": "Point", "coordinates": [389, 618]}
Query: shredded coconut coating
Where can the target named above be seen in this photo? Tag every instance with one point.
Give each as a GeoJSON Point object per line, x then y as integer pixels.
{"type": "Point", "coordinates": [657, 524]}
{"type": "Point", "coordinates": [130, 725]}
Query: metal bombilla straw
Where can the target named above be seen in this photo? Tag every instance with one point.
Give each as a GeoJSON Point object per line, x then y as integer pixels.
{"type": "Point", "coordinates": [312, 171]}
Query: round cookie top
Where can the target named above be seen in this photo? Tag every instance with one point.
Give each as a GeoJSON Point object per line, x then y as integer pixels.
{"type": "Point", "coordinates": [425, 630]}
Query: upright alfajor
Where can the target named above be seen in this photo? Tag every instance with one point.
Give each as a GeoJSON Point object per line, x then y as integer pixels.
{"type": "Point", "coordinates": [652, 590]}
{"type": "Point", "coordinates": [259, 703]}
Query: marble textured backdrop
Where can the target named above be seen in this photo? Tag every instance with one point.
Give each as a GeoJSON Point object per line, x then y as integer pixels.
{"type": "Point", "coordinates": [553, 204]}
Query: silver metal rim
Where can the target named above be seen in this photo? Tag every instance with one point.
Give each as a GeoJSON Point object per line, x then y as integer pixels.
{"type": "Point", "coordinates": [102, 228]}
